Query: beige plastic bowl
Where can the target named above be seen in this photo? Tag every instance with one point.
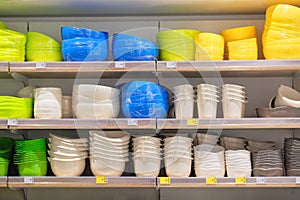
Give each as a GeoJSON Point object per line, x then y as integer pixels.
{"type": "Point", "coordinates": [67, 167]}
{"type": "Point", "coordinates": [97, 92]}
{"type": "Point", "coordinates": [55, 138]}
{"type": "Point", "coordinates": [178, 166]}
{"type": "Point", "coordinates": [287, 96]}
{"type": "Point", "coordinates": [65, 149]}
{"type": "Point", "coordinates": [111, 136]}
{"type": "Point", "coordinates": [146, 166]}
{"type": "Point", "coordinates": [62, 155]}
{"type": "Point", "coordinates": [107, 167]}
{"type": "Point", "coordinates": [101, 110]}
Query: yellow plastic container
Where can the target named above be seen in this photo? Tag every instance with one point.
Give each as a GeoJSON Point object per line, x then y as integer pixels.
{"type": "Point", "coordinates": [239, 33]}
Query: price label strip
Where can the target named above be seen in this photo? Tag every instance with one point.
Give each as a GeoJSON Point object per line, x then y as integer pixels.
{"type": "Point", "coordinates": [211, 180]}
{"type": "Point", "coordinates": [297, 180]}
{"type": "Point", "coordinates": [132, 122]}
{"type": "Point", "coordinates": [261, 180]}
{"type": "Point", "coordinates": [101, 180]}
{"type": "Point", "coordinates": [28, 180]}
{"type": "Point", "coordinates": [240, 180]}
{"type": "Point", "coordinates": [164, 180]}
{"type": "Point", "coordinates": [192, 122]}
{"type": "Point", "coordinates": [120, 65]}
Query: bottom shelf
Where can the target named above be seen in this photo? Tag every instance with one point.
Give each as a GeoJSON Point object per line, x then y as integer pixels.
{"type": "Point", "coordinates": [142, 182]}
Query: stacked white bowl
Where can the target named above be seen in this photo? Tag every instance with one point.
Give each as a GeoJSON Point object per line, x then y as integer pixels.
{"type": "Point", "coordinates": [238, 163]}
{"type": "Point", "coordinates": [67, 155]}
{"type": "Point", "coordinates": [184, 101]}
{"type": "Point", "coordinates": [233, 101]}
{"type": "Point", "coordinates": [209, 161]}
{"type": "Point", "coordinates": [95, 101]}
{"type": "Point", "coordinates": [47, 103]}
{"type": "Point", "coordinates": [147, 156]}
{"type": "Point", "coordinates": [178, 156]}
{"type": "Point", "coordinates": [108, 152]}
{"type": "Point", "coordinates": [207, 100]}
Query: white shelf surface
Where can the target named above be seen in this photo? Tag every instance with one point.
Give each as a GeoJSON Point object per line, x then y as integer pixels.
{"type": "Point", "coordinates": [80, 181]}
{"type": "Point", "coordinates": [221, 123]}
{"type": "Point", "coordinates": [117, 123]}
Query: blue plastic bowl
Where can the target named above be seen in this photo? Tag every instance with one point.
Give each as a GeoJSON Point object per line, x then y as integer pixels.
{"type": "Point", "coordinates": [83, 42]}
{"type": "Point", "coordinates": [142, 99]}
{"type": "Point", "coordinates": [132, 48]}
{"type": "Point", "coordinates": [68, 32]}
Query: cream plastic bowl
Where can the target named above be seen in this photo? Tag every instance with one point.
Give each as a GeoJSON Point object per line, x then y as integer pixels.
{"type": "Point", "coordinates": [111, 145]}
{"type": "Point", "coordinates": [178, 167]}
{"type": "Point", "coordinates": [147, 138]}
{"type": "Point", "coordinates": [111, 136]}
{"type": "Point", "coordinates": [103, 110]}
{"type": "Point", "coordinates": [113, 150]}
{"type": "Point", "coordinates": [177, 138]}
{"type": "Point", "coordinates": [55, 138]}
{"type": "Point", "coordinates": [287, 96]}
{"type": "Point", "coordinates": [67, 144]}
{"type": "Point", "coordinates": [67, 167]}
{"type": "Point", "coordinates": [107, 167]}
{"type": "Point", "coordinates": [63, 155]}
{"type": "Point", "coordinates": [97, 92]}
{"type": "Point", "coordinates": [64, 149]}
{"type": "Point", "coordinates": [146, 166]}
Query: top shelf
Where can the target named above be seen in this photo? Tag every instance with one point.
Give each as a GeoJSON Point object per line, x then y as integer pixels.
{"type": "Point", "coordinates": [71, 8]}
{"type": "Point", "coordinates": [112, 69]}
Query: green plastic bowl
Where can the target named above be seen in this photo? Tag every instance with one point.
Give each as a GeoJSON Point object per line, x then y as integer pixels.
{"type": "Point", "coordinates": [177, 34]}
{"type": "Point", "coordinates": [36, 168]}
{"type": "Point", "coordinates": [43, 55]}
{"type": "Point", "coordinates": [15, 107]}
{"type": "Point", "coordinates": [4, 168]}
{"type": "Point", "coordinates": [39, 40]}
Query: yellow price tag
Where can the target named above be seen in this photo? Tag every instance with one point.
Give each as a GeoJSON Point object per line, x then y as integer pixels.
{"type": "Point", "coordinates": [164, 180]}
{"type": "Point", "coordinates": [192, 122]}
{"type": "Point", "coordinates": [240, 180]}
{"type": "Point", "coordinates": [211, 180]}
{"type": "Point", "coordinates": [101, 179]}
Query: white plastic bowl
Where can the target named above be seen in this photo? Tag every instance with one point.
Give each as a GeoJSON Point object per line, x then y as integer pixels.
{"type": "Point", "coordinates": [103, 110]}
{"type": "Point", "coordinates": [65, 149]}
{"type": "Point", "coordinates": [70, 141]}
{"type": "Point", "coordinates": [67, 167]}
{"type": "Point", "coordinates": [184, 108]}
{"type": "Point", "coordinates": [207, 108]}
{"type": "Point", "coordinates": [111, 136]}
{"type": "Point", "coordinates": [177, 138]}
{"type": "Point", "coordinates": [107, 167]}
{"type": "Point", "coordinates": [147, 138]}
{"type": "Point", "coordinates": [97, 92]}
{"type": "Point", "coordinates": [62, 155]}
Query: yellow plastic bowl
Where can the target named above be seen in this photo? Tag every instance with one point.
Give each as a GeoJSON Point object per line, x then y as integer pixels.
{"type": "Point", "coordinates": [209, 39]}
{"type": "Point", "coordinates": [209, 50]}
{"type": "Point", "coordinates": [12, 58]}
{"type": "Point", "coordinates": [289, 51]}
{"type": "Point", "coordinates": [239, 33]}
{"type": "Point", "coordinates": [242, 44]}
{"type": "Point", "coordinates": [283, 12]}
{"type": "Point", "coordinates": [43, 55]}
{"type": "Point", "coordinates": [2, 25]}
{"type": "Point", "coordinates": [39, 40]}
{"type": "Point", "coordinates": [176, 56]}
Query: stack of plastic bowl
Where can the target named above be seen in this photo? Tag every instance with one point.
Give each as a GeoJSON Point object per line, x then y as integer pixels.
{"type": "Point", "coordinates": [146, 156]}
{"type": "Point", "coordinates": [143, 99]}
{"type": "Point", "coordinates": [40, 47]}
{"type": "Point", "coordinates": [67, 155]}
{"type": "Point", "coordinates": [12, 46]}
{"type": "Point", "coordinates": [268, 163]}
{"type": "Point", "coordinates": [292, 156]}
{"type": "Point", "coordinates": [256, 146]}
{"type": "Point", "coordinates": [209, 161]}
{"type": "Point", "coordinates": [81, 44]}
{"type": "Point", "coordinates": [184, 101]}
{"type": "Point", "coordinates": [132, 48]}
{"type": "Point", "coordinates": [240, 43]}
{"type": "Point", "coordinates": [48, 103]}
{"type": "Point", "coordinates": [31, 157]}
{"type": "Point", "coordinates": [178, 156]}
{"type": "Point", "coordinates": [15, 107]}
{"type": "Point", "coordinates": [108, 152]}
{"type": "Point", "coordinates": [238, 163]}
{"type": "Point", "coordinates": [233, 101]}
{"type": "Point", "coordinates": [176, 44]}
{"type": "Point", "coordinates": [95, 101]}
{"type": "Point", "coordinates": [281, 36]}
{"type": "Point", "coordinates": [233, 143]}
{"type": "Point", "coordinates": [287, 96]}
{"type": "Point", "coordinates": [6, 151]}
{"type": "Point", "coordinates": [207, 100]}
{"type": "Point", "coordinates": [209, 46]}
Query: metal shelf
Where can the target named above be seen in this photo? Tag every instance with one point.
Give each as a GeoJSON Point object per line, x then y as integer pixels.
{"type": "Point", "coordinates": [221, 123]}
{"type": "Point", "coordinates": [228, 68]}
{"type": "Point", "coordinates": [80, 181]}
{"type": "Point", "coordinates": [105, 69]}
{"type": "Point", "coordinates": [225, 182]}
{"type": "Point", "coordinates": [121, 123]}
{"type": "Point", "coordinates": [3, 124]}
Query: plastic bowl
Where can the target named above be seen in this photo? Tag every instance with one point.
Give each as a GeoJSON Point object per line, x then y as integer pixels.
{"type": "Point", "coordinates": [4, 168]}
{"type": "Point", "coordinates": [67, 167]}
{"type": "Point", "coordinates": [287, 96]}
{"type": "Point", "coordinates": [43, 55]}
{"type": "Point", "coordinates": [146, 166]}
{"type": "Point", "coordinates": [100, 110]}
{"type": "Point", "coordinates": [68, 32]}
{"type": "Point", "coordinates": [6, 144]}
{"type": "Point", "coordinates": [79, 141]}
{"type": "Point", "coordinates": [107, 167]}
{"type": "Point", "coordinates": [111, 136]}
{"type": "Point", "coordinates": [179, 33]}
{"type": "Point", "coordinates": [239, 33]}
{"type": "Point", "coordinates": [36, 168]}
{"type": "Point", "coordinates": [39, 40]}
{"type": "Point", "coordinates": [3, 25]}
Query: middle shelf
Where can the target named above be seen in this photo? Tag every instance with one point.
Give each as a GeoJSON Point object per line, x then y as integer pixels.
{"type": "Point", "coordinates": [151, 123]}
